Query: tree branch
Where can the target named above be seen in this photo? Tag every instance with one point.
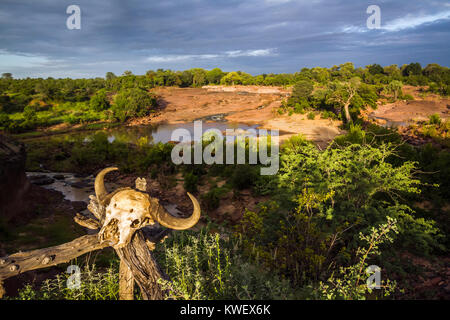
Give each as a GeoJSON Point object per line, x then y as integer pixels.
{"type": "Point", "coordinates": [42, 258]}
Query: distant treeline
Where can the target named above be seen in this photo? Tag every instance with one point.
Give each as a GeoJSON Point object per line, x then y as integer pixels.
{"type": "Point", "coordinates": [337, 90]}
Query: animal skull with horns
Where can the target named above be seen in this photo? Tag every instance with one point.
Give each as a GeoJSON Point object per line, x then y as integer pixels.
{"type": "Point", "coordinates": [126, 210]}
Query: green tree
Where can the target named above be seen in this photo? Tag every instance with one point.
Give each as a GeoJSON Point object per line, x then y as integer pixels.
{"type": "Point", "coordinates": [7, 75]}
{"type": "Point", "coordinates": [199, 77]}
{"type": "Point", "coordinates": [214, 76]}
{"type": "Point", "coordinates": [393, 72]}
{"type": "Point", "coordinates": [29, 114]}
{"type": "Point", "coordinates": [133, 102]}
{"type": "Point", "coordinates": [4, 120]}
{"type": "Point", "coordinates": [412, 69]}
{"type": "Point", "coordinates": [110, 76]}
{"type": "Point", "coordinates": [346, 70]}
{"type": "Point", "coordinates": [342, 95]}
{"type": "Point", "coordinates": [232, 78]}
{"type": "Point", "coordinates": [395, 87]}
{"type": "Point", "coordinates": [99, 101]}
{"type": "Point", "coordinates": [375, 69]}
{"type": "Point", "coordinates": [302, 90]}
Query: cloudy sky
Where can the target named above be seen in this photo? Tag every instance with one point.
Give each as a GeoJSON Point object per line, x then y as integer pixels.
{"type": "Point", "coordinates": [256, 36]}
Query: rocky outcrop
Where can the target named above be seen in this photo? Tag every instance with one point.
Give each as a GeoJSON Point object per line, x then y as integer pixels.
{"type": "Point", "coordinates": [13, 180]}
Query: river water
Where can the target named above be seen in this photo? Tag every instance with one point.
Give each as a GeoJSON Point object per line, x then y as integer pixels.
{"type": "Point", "coordinates": [152, 134]}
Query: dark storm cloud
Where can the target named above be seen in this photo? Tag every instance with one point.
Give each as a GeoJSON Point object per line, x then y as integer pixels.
{"type": "Point", "coordinates": [257, 36]}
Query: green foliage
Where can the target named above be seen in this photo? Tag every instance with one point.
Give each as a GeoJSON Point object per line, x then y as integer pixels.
{"type": "Point", "coordinates": [407, 97]}
{"type": "Point", "coordinates": [203, 266]}
{"type": "Point", "coordinates": [327, 115]}
{"type": "Point", "coordinates": [214, 76]}
{"type": "Point", "coordinates": [301, 107]}
{"type": "Point", "coordinates": [190, 182]}
{"type": "Point", "coordinates": [4, 120]}
{"type": "Point", "coordinates": [244, 176]}
{"type": "Point", "coordinates": [324, 199]}
{"type": "Point", "coordinates": [29, 114]}
{"type": "Point", "coordinates": [375, 69]}
{"type": "Point", "coordinates": [99, 101]}
{"type": "Point", "coordinates": [435, 119]}
{"type": "Point", "coordinates": [412, 69]}
{"type": "Point", "coordinates": [211, 199]}
{"type": "Point", "coordinates": [232, 78]}
{"type": "Point", "coordinates": [95, 285]}
{"type": "Point", "coordinates": [302, 90]}
{"type": "Point", "coordinates": [311, 116]}
{"type": "Point", "coordinates": [133, 103]}
{"type": "Point", "coordinates": [350, 283]}
{"type": "Point", "coordinates": [395, 87]}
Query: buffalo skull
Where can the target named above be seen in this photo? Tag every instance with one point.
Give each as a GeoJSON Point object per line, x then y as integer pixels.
{"type": "Point", "coordinates": [126, 210]}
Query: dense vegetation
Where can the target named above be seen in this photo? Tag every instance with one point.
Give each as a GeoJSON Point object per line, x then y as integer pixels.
{"type": "Point", "coordinates": [340, 91]}
{"type": "Point", "coordinates": [330, 214]}
{"type": "Point", "coordinates": [327, 215]}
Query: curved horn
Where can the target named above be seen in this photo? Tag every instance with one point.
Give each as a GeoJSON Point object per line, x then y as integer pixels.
{"type": "Point", "coordinates": [100, 190]}
{"type": "Point", "coordinates": [167, 220]}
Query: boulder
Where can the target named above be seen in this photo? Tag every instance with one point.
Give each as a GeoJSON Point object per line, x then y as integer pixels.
{"type": "Point", "coordinates": [13, 180]}
{"type": "Point", "coordinates": [42, 181]}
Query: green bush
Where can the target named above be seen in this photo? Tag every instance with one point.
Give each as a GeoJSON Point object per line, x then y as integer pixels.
{"type": "Point", "coordinates": [244, 176]}
{"type": "Point", "coordinates": [190, 182]}
{"type": "Point", "coordinates": [407, 97]}
{"type": "Point", "coordinates": [211, 199]}
{"type": "Point", "coordinates": [311, 116]}
{"type": "Point", "coordinates": [133, 102]}
{"type": "Point", "coordinates": [94, 285]}
{"type": "Point", "coordinates": [328, 115]}
{"type": "Point", "coordinates": [99, 101]}
{"type": "Point", "coordinates": [29, 114]}
{"type": "Point", "coordinates": [435, 119]}
{"type": "Point", "coordinates": [4, 120]}
{"type": "Point", "coordinates": [202, 266]}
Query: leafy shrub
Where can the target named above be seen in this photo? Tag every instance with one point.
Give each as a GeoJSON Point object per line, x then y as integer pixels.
{"type": "Point", "coordinates": [99, 101]}
{"type": "Point", "coordinates": [435, 119]}
{"type": "Point", "coordinates": [133, 102]}
{"type": "Point", "coordinates": [301, 107]}
{"type": "Point", "coordinates": [29, 114]}
{"type": "Point", "coordinates": [244, 176]}
{"type": "Point", "coordinates": [350, 283]}
{"type": "Point", "coordinates": [203, 266]}
{"type": "Point", "coordinates": [311, 116]}
{"type": "Point", "coordinates": [94, 285]}
{"type": "Point", "coordinates": [4, 120]}
{"type": "Point", "coordinates": [190, 182]}
{"type": "Point", "coordinates": [327, 115]}
{"type": "Point", "coordinates": [211, 199]}
{"type": "Point", "coordinates": [407, 97]}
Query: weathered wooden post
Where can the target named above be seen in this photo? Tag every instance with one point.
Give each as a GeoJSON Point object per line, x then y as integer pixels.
{"type": "Point", "coordinates": [122, 218]}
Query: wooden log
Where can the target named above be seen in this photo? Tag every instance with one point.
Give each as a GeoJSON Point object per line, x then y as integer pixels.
{"type": "Point", "coordinates": [87, 222]}
{"type": "Point", "coordinates": [42, 258]}
{"type": "Point", "coordinates": [2, 290]}
{"type": "Point", "coordinates": [136, 258]}
{"type": "Point", "coordinates": [126, 282]}
{"type": "Point", "coordinates": [144, 267]}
